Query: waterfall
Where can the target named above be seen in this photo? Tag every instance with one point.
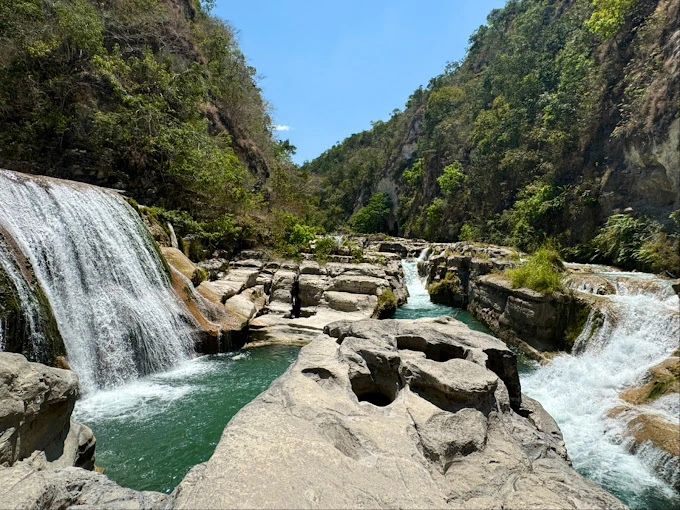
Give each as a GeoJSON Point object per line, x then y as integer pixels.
{"type": "Point", "coordinates": [102, 275]}
{"type": "Point", "coordinates": [626, 334]}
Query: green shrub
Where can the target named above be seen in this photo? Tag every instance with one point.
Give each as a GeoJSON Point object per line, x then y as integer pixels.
{"type": "Point", "coordinates": [448, 291]}
{"type": "Point", "coordinates": [414, 176]}
{"type": "Point", "coordinates": [373, 218]}
{"type": "Point", "coordinates": [541, 272]}
{"type": "Point", "coordinates": [301, 235]}
{"type": "Point", "coordinates": [386, 306]}
{"type": "Point", "coordinates": [469, 232]}
{"type": "Point", "coordinates": [325, 247]}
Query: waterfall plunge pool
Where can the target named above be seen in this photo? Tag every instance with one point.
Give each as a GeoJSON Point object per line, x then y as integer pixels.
{"type": "Point", "coordinates": [151, 432]}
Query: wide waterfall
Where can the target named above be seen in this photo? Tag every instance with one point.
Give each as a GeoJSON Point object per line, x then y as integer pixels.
{"type": "Point", "coordinates": [98, 267]}
{"type": "Point", "coordinates": [628, 333]}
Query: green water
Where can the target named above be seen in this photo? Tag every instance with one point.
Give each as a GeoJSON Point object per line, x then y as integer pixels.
{"type": "Point", "coordinates": [150, 433]}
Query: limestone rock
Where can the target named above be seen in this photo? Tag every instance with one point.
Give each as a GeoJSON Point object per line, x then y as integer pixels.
{"type": "Point", "coordinates": [36, 402]}
{"type": "Point", "coordinates": [33, 484]}
{"type": "Point", "coordinates": [181, 262]}
{"type": "Point", "coordinates": [392, 414]}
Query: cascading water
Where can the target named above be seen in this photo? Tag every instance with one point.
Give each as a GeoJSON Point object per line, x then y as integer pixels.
{"type": "Point", "coordinates": [419, 305]}
{"type": "Point", "coordinates": [632, 331]}
{"type": "Point", "coordinates": [101, 273]}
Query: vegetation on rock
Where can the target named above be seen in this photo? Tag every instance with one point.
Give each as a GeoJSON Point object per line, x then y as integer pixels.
{"type": "Point", "coordinates": [448, 291]}
{"type": "Point", "coordinates": [541, 272]}
{"type": "Point", "coordinates": [386, 306]}
{"type": "Point", "coordinates": [154, 97]}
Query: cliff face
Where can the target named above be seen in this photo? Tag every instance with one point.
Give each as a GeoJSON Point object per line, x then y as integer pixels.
{"type": "Point", "coordinates": [554, 128]}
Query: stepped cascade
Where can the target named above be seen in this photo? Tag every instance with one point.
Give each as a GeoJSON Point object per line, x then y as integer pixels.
{"type": "Point", "coordinates": [627, 333]}
{"type": "Point", "coordinates": [95, 262]}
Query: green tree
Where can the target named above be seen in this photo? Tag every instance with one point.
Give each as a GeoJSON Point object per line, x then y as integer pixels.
{"type": "Point", "coordinates": [451, 179]}
{"type": "Point", "coordinates": [374, 217]}
{"type": "Point", "coordinates": [610, 16]}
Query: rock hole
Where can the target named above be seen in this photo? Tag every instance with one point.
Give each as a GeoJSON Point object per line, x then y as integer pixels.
{"type": "Point", "coordinates": [379, 391]}
{"type": "Point", "coordinates": [435, 351]}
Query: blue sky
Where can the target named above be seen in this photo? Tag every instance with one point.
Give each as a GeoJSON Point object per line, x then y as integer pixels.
{"type": "Point", "coordinates": [331, 68]}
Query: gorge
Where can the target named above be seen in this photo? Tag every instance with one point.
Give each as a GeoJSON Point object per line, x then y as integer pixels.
{"type": "Point", "coordinates": [168, 395]}
{"type": "Point", "coordinates": [475, 303]}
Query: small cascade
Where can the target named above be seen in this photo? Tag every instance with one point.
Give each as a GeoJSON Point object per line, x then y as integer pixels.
{"type": "Point", "coordinates": [627, 333]}
{"type": "Point", "coordinates": [101, 273]}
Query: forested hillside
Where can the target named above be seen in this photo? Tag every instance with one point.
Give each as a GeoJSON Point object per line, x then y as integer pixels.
{"type": "Point", "coordinates": [561, 124]}
{"type": "Point", "coordinates": [153, 97]}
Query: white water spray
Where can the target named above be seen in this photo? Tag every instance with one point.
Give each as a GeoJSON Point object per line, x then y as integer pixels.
{"type": "Point", "coordinates": [102, 275]}
{"type": "Point", "coordinates": [641, 327]}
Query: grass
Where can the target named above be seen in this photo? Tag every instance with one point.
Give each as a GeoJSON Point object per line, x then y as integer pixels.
{"type": "Point", "coordinates": [542, 272]}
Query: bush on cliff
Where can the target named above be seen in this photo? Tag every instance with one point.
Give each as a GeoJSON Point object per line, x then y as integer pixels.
{"type": "Point", "coordinates": [541, 272]}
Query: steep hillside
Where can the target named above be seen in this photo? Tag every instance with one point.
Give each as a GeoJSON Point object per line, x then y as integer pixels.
{"type": "Point", "coordinates": [562, 115]}
{"type": "Point", "coordinates": [150, 96]}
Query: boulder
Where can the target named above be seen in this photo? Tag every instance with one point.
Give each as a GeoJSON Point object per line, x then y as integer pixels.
{"type": "Point", "coordinates": [392, 414]}
{"type": "Point", "coordinates": [36, 402]}
{"type": "Point", "coordinates": [32, 483]}
{"type": "Point", "coordinates": [181, 262]}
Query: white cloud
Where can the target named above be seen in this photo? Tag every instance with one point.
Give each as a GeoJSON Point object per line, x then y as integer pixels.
{"type": "Point", "coordinates": [281, 128]}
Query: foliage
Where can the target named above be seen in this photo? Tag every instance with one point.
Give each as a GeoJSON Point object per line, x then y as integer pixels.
{"type": "Point", "coordinates": [451, 179]}
{"type": "Point", "coordinates": [386, 306]}
{"type": "Point", "coordinates": [301, 235]}
{"type": "Point", "coordinates": [226, 233]}
{"type": "Point", "coordinates": [632, 243]}
{"type": "Point", "coordinates": [541, 272]}
{"type": "Point", "coordinates": [468, 232]}
{"type": "Point", "coordinates": [152, 97]}
{"type": "Point", "coordinates": [447, 291]}
{"type": "Point", "coordinates": [609, 16]}
{"type": "Point", "coordinates": [373, 218]}
{"type": "Point", "coordinates": [325, 247]}
{"type": "Point", "coordinates": [525, 119]}
{"type": "Point", "coordinates": [414, 176]}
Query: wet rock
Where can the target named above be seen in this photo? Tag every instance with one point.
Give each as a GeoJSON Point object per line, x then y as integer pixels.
{"type": "Point", "coordinates": [32, 483]}
{"type": "Point", "coordinates": [181, 262]}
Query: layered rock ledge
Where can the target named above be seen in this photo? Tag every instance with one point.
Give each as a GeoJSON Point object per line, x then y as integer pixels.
{"type": "Point", "coordinates": [393, 414]}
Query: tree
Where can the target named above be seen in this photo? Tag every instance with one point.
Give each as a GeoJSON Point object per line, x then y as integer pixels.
{"type": "Point", "coordinates": [373, 218]}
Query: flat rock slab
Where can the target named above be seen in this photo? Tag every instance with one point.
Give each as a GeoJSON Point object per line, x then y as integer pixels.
{"type": "Point", "coordinates": [393, 414]}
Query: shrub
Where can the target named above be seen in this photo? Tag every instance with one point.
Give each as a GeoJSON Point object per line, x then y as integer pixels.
{"type": "Point", "coordinates": [301, 235]}
{"type": "Point", "coordinates": [468, 232]}
{"type": "Point", "coordinates": [541, 272]}
{"type": "Point", "coordinates": [325, 247]}
{"type": "Point", "coordinates": [373, 218]}
{"type": "Point", "coordinates": [386, 306]}
{"type": "Point", "coordinates": [448, 291]}
{"type": "Point", "coordinates": [414, 176]}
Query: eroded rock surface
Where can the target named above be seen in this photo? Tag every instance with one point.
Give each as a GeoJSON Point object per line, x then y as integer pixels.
{"type": "Point", "coordinates": [45, 457]}
{"type": "Point", "coordinates": [393, 414]}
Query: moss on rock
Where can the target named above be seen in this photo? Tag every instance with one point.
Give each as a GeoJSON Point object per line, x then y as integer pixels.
{"type": "Point", "coordinates": [448, 291]}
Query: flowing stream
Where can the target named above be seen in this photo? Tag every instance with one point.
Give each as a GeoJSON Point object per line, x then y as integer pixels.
{"type": "Point", "coordinates": [100, 271]}
{"type": "Point", "coordinates": [632, 331]}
